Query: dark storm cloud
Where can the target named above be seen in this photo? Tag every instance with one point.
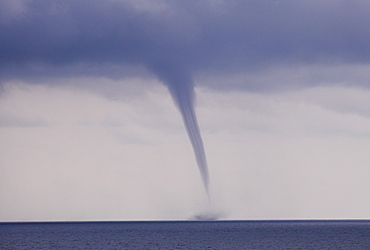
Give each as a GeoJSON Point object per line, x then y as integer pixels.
{"type": "Point", "coordinates": [89, 37]}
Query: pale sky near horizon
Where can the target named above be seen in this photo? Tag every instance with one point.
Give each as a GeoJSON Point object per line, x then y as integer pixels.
{"type": "Point", "coordinates": [88, 131]}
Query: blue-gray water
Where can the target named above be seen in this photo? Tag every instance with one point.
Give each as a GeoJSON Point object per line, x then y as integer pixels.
{"type": "Point", "coordinates": [187, 235]}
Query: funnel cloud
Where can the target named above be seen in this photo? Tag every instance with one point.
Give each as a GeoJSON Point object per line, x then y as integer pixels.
{"type": "Point", "coordinates": [181, 86]}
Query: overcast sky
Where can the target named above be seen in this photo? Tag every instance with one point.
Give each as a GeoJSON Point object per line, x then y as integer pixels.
{"type": "Point", "coordinates": [89, 130]}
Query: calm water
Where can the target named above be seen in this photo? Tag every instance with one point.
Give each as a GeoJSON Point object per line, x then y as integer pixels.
{"type": "Point", "coordinates": [187, 235]}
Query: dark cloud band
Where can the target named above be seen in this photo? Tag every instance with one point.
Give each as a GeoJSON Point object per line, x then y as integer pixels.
{"type": "Point", "coordinates": [42, 37]}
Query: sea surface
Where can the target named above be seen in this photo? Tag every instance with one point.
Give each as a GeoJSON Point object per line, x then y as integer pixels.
{"type": "Point", "coordinates": [187, 235]}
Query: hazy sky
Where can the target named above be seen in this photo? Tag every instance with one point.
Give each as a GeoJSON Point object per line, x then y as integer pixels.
{"type": "Point", "coordinates": [89, 131]}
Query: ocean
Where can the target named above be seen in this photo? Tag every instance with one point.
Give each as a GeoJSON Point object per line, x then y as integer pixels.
{"type": "Point", "coordinates": [187, 235]}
